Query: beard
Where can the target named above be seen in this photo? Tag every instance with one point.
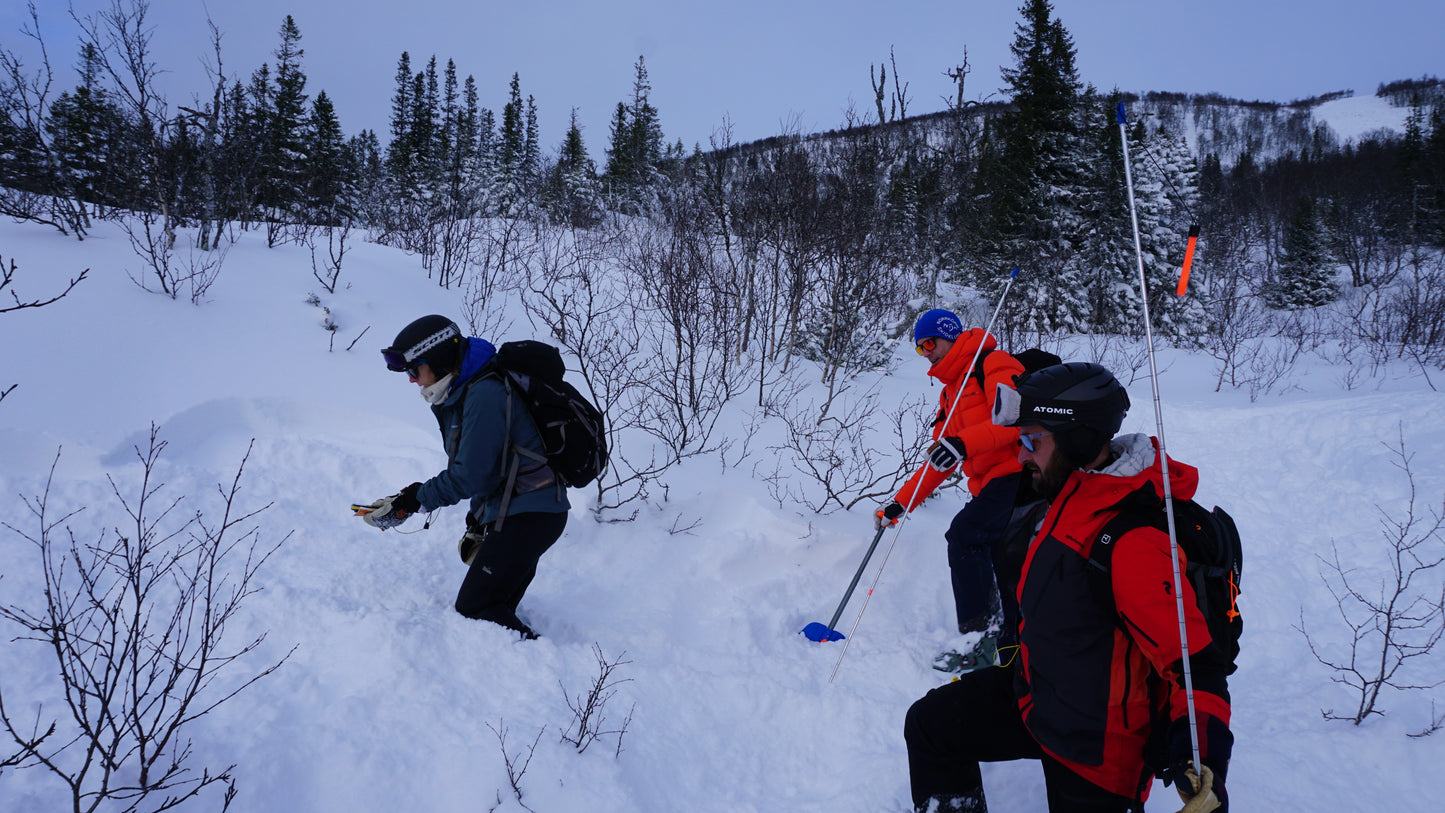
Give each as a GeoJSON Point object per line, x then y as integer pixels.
{"type": "Point", "coordinates": [1048, 480]}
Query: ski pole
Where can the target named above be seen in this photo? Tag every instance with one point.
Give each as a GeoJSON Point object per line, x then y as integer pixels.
{"type": "Point", "coordinates": [987, 331]}
{"type": "Point", "coordinates": [820, 634]}
{"type": "Point", "coordinates": [1163, 454]}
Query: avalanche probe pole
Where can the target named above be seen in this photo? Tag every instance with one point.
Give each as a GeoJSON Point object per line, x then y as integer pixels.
{"type": "Point", "coordinates": [988, 329]}
{"type": "Point", "coordinates": [1163, 456]}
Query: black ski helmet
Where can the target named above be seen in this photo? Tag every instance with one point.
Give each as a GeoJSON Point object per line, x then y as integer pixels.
{"type": "Point", "coordinates": [435, 340]}
{"type": "Point", "coordinates": [1080, 402]}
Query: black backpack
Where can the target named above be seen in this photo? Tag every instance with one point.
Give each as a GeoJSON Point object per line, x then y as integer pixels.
{"type": "Point", "coordinates": [1032, 359]}
{"type": "Point", "coordinates": [574, 432]}
{"type": "Point", "coordinates": [1214, 560]}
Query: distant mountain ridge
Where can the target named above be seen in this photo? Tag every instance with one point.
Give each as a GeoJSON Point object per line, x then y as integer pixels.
{"type": "Point", "coordinates": [1227, 127]}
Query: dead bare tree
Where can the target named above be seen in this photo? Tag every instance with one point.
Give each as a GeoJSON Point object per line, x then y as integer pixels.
{"type": "Point", "coordinates": [1395, 622]}
{"type": "Point", "coordinates": [137, 623]}
{"type": "Point", "coordinates": [898, 104]}
{"type": "Point", "coordinates": [54, 197]}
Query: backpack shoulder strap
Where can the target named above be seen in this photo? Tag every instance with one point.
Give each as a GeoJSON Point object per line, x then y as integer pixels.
{"type": "Point", "coordinates": [1101, 553]}
{"type": "Point", "coordinates": [978, 367]}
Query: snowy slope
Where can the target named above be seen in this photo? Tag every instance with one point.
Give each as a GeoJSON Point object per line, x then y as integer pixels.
{"type": "Point", "coordinates": [390, 699]}
{"type": "Point", "coordinates": [1354, 118]}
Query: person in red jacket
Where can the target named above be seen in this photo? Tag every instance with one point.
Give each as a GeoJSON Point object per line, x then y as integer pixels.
{"type": "Point", "coordinates": [1094, 677]}
{"type": "Point", "coordinates": [965, 438]}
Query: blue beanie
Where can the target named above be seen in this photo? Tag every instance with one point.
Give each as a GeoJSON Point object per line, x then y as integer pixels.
{"type": "Point", "coordinates": [937, 322]}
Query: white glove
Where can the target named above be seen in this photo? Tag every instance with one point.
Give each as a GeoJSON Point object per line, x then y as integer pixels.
{"type": "Point", "coordinates": [383, 513]}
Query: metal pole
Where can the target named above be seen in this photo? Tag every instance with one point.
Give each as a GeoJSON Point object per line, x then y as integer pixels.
{"type": "Point", "coordinates": [1163, 455]}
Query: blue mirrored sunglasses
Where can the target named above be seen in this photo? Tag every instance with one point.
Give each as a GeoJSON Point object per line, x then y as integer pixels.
{"type": "Point", "coordinates": [1027, 440]}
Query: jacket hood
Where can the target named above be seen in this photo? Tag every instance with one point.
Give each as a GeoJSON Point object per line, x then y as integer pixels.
{"type": "Point", "coordinates": [954, 366]}
{"type": "Point", "coordinates": [476, 354]}
{"type": "Point", "coordinates": [1135, 474]}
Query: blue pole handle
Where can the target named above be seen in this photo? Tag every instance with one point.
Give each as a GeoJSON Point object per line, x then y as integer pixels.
{"type": "Point", "coordinates": [1015, 273]}
{"type": "Point", "coordinates": [1119, 112]}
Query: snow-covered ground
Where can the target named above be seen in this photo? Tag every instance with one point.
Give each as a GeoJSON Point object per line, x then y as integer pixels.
{"type": "Point", "coordinates": [1355, 117]}
{"type": "Point", "coordinates": [390, 699]}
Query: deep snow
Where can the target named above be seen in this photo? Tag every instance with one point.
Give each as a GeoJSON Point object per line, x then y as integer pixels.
{"type": "Point", "coordinates": [387, 701]}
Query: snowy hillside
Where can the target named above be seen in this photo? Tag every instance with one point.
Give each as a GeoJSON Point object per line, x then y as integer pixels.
{"type": "Point", "coordinates": [391, 701]}
{"type": "Point", "coordinates": [1356, 117]}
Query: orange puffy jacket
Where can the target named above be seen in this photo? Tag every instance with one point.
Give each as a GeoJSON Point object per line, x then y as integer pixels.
{"type": "Point", "coordinates": [992, 451]}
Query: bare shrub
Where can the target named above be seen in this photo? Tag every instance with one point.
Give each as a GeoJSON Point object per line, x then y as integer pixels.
{"type": "Point", "coordinates": [1395, 622]}
{"type": "Point", "coordinates": [516, 763]}
{"type": "Point", "coordinates": [327, 257]}
{"type": "Point", "coordinates": [837, 460]}
{"type": "Point", "coordinates": [137, 624]}
{"type": "Point", "coordinates": [589, 707]}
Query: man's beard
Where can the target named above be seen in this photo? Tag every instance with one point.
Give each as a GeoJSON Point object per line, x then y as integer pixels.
{"type": "Point", "coordinates": [1047, 481]}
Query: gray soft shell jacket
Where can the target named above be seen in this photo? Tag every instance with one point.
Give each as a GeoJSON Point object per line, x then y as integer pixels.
{"type": "Point", "coordinates": [473, 423]}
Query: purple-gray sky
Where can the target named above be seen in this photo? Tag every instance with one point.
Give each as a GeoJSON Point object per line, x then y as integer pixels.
{"type": "Point", "coordinates": [768, 66]}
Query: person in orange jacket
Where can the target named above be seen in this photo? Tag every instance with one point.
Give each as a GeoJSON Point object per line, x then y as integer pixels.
{"type": "Point", "coordinates": [966, 439]}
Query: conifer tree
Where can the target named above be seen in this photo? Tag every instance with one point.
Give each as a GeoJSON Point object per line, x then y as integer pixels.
{"type": "Point", "coordinates": [573, 194]}
{"type": "Point", "coordinates": [330, 187]}
{"type": "Point", "coordinates": [87, 133]}
{"type": "Point", "coordinates": [510, 183]}
{"type": "Point", "coordinates": [400, 152]}
{"type": "Point", "coordinates": [636, 151]}
{"type": "Point", "coordinates": [283, 157]}
{"type": "Point", "coordinates": [1034, 176]}
{"type": "Point", "coordinates": [1305, 277]}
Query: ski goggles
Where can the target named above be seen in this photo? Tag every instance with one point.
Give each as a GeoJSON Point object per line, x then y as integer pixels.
{"type": "Point", "coordinates": [926, 346]}
{"type": "Point", "coordinates": [397, 363]}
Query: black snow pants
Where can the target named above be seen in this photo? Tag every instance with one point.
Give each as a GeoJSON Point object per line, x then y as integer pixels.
{"type": "Point", "coordinates": [505, 565]}
{"type": "Point", "coordinates": [976, 719]}
{"type": "Point", "coordinates": [975, 554]}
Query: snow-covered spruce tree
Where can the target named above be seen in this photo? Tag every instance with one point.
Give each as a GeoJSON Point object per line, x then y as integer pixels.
{"type": "Point", "coordinates": [572, 194]}
{"type": "Point", "coordinates": [283, 156]}
{"type": "Point", "coordinates": [635, 151]}
{"type": "Point", "coordinates": [1033, 177]}
{"type": "Point", "coordinates": [1166, 196]}
{"type": "Point", "coordinates": [86, 131]}
{"type": "Point", "coordinates": [509, 185]}
{"type": "Point", "coordinates": [1304, 278]}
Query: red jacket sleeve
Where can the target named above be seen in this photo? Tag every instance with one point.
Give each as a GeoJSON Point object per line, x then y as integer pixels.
{"type": "Point", "coordinates": [1143, 581]}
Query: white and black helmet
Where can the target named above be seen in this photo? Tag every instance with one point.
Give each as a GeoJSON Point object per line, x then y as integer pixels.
{"type": "Point", "coordinates": [432, 340]}
{"type": "Point", "coordinates": [1080, 402]}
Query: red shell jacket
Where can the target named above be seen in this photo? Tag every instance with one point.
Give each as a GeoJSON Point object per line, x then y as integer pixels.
{"type": "Point", "coordinates": [1083, 680]}
{"type": "Point", "coordinates": [992, 450]}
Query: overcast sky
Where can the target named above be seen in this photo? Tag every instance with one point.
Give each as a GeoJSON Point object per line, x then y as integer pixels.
{"type": "Point", "coordinates": [768, 66]}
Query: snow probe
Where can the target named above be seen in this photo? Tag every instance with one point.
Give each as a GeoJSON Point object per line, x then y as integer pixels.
{"type": "Point", "coordinates": [822, 634]}
{"type": "Point", "coordinates": [987, 331]}
{"type": "Point", "coordinates": [1159, 424]}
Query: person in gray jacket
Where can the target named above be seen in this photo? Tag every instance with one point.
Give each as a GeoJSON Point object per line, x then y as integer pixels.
{"type": "Point", "coordinates": [512, 521]}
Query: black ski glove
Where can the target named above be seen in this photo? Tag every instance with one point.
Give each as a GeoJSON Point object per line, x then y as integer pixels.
{"type": "Point", "coordinates": [946, 453]}
{"type": "Point", "coordinates": [406, 500]}
{"type": "Point", "coordinates": [888, 515]}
